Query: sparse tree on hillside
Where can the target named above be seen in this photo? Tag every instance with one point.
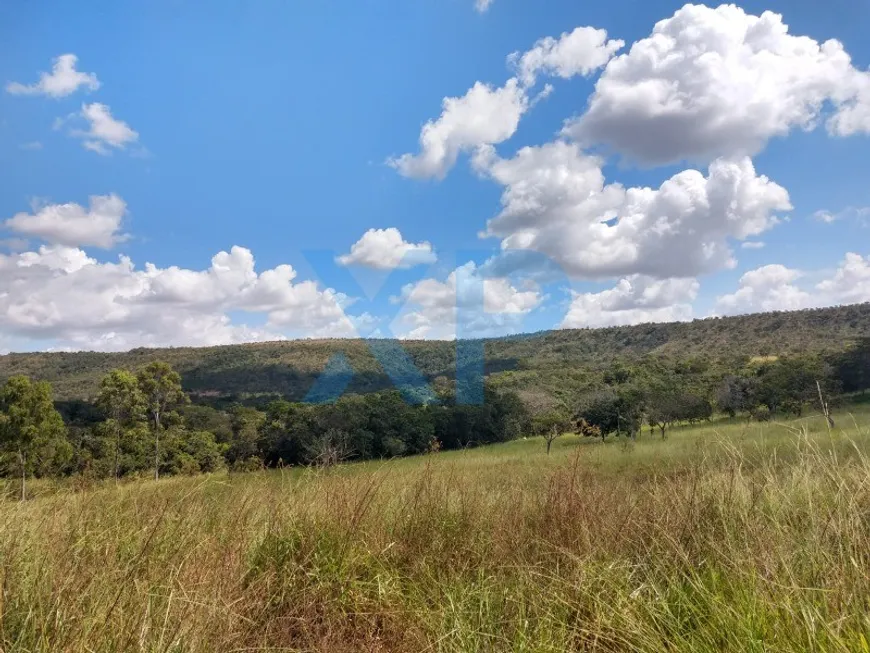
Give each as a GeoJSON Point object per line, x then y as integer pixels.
{"type": "Point", "coordinates": [697, 408]}
{"type": "Point", "coordinates": [601, 411]}
{"type": "Point", "coordinates": [665, 408]}
{"type": "Point", "coordinates": [122, 402]}
{"type": "Point", "coordinates": [609, 412]}
{"type": "Point", "coordinates": [31, 430]}
{"type": "Point", "coordinates": [161, 388]}
{"type": "Point", "coordinates": [551, 425]}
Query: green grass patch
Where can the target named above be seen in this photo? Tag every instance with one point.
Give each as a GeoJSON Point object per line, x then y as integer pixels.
{"type": "Point", "coordinates": [724, 536]}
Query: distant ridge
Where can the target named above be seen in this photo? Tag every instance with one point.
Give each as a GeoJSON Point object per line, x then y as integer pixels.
{"type": "Point", "coordinates": [523, 361]}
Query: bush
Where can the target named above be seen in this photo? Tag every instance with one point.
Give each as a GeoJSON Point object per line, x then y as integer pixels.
{"type": "Point", "coordinates": [393, 447]}
{"type": "Point", "coordinates": [760, 413]}
{"type": "Point", "coordinates": [252, 464]}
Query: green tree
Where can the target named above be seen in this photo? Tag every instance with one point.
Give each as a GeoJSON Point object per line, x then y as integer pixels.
{"type": "Point", "coordinates": [789, 383]}
{"type": "Point", "coordinates": [611, 412]}
{"type": "Point", "coordinates": [852, 366]}
{"type": "Point", "coordinates": [123, 403]}
{"type": "Point", "coordinates": [190, 452]}
{"type": "Point", "coordinates": [737, 394]}
{"type": "Point", "coordinates": [601, 411]}
{"type": "Point", "coordinates": [31, 430]}
{"type": "Point", "coordinates": [161, 388]}
{"type": "Point", "coordinates": [198, 417]}
{"type": "Point", "coordinates": [551, 425]}
{"type": "Point", "coordinates": [244, 446]}
{"type": "Point", "coordinates": [664, 408]}
{"type": "Point", "coordinates": [287, 432]}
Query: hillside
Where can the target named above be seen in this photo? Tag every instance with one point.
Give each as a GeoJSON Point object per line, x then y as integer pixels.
{"type": "Point", "coordinates": [558, 359]}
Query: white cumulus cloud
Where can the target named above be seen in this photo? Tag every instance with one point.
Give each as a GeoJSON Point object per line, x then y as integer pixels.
{"type": "Point", "coordinates": [778, 288]}
{"type": "Point", "coordinates": [633, 300]}
{"type": "Point", "coordinates": [466, 304]}
{"type": "Point", "coordinates": [483, 115]}
{"type": "Point", "coordinates": [72, 224]}
{"type": "Point", "coordinates": [580, 52]}
{"type": "Point", "coordinates": [104, 131]}
{"type": "Point", "coordinates": [556, 202]}
{"type": "Point", "coordinates": [768, 288]}
{"type": "Point", "coordinates": [63, 80]}
{"type": "Point", "coordinates": [385, 249]}
{"type": "Point", "coordinates": [61, 296]}
{"type": "Point", "coordinates": [850, 284]}
{"type": "Point", "coordinates": [721, 82]}
{"type": "Point", "coordinates": [487, 115]}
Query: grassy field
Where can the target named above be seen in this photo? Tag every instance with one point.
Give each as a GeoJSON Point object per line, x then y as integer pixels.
{"type": "Point", "coordinates": [726, 537]}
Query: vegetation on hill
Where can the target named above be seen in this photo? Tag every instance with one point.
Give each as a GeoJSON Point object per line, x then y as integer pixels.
{"type": "Point", "coordinates": [652, 528]}
{"type": "Point", "coordinates": [140, 420]}
{"type": "Point", "coordinates": [554, 361]}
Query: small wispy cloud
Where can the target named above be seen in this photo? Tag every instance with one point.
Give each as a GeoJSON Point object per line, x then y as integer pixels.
{"type": "Point", "coordinates": [824, 216]}
{"type": "Point", "coordinates": [752, 244]}
{"type": "Point", "coordinates": [850, 212]}
{"type": "Point", "coordinates": [32, 145]}
{"type": "Point", "coordinates": [104, 132]}
{"type": "Point", "coordinates": [482, 5]}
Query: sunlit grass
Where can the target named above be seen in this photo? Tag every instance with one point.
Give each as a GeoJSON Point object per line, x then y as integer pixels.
{"type": "Point", "coordinates": [729, 536]}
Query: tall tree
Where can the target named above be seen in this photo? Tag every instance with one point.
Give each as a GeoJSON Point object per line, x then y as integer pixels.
{"type": "Point", "coordinates": [123, 403]}
{"type": "Point", "coordinates": [30, 427]}
{"type": "Point", "coordinates": [737, 394]}
{"type": "Point", "coordinates": [160, 386]}
{"type": "Point", "coordinates": [244, 446]}
{"type": "Point", "coordinates": [852, 366]}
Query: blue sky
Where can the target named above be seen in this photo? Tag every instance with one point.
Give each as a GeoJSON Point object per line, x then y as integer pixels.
{"type": "Point", "coordinates": [279, 128]}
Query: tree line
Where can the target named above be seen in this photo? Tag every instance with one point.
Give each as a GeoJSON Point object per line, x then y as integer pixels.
{"type": "Point", "coordinates": [659, 393]}
{"type": "Point", "coordinates": [143, 422]}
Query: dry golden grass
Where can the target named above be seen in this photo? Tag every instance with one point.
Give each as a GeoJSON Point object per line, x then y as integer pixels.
{"type": "Point", "coordinates": [730, 537]}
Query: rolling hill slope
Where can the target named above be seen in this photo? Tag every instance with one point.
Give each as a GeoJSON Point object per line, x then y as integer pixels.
{"type": "Point", "coordinates": [552, 358]}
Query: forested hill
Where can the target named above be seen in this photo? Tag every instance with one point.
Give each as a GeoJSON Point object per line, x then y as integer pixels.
{"type": "Point", "coordinates": [553, 359]}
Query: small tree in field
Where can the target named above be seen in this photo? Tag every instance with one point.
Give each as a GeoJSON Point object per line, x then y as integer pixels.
{"type": "Point", "coordinates": [608, 412]}
{"type": "Point", "coordinates": [30, 427]}
{"type": "Point", "coordinates": [551, 425]}
{"type": "Point", "coordinates": [121, 400]}
{"type": "Point", "coordinates": [329, 448]}
{"type": "Point", "coordinates": [600, 414]}
{"type": "Point", "coordinates": [160, 386]}
{"type": "Point", "coordinates": [665, 408]}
